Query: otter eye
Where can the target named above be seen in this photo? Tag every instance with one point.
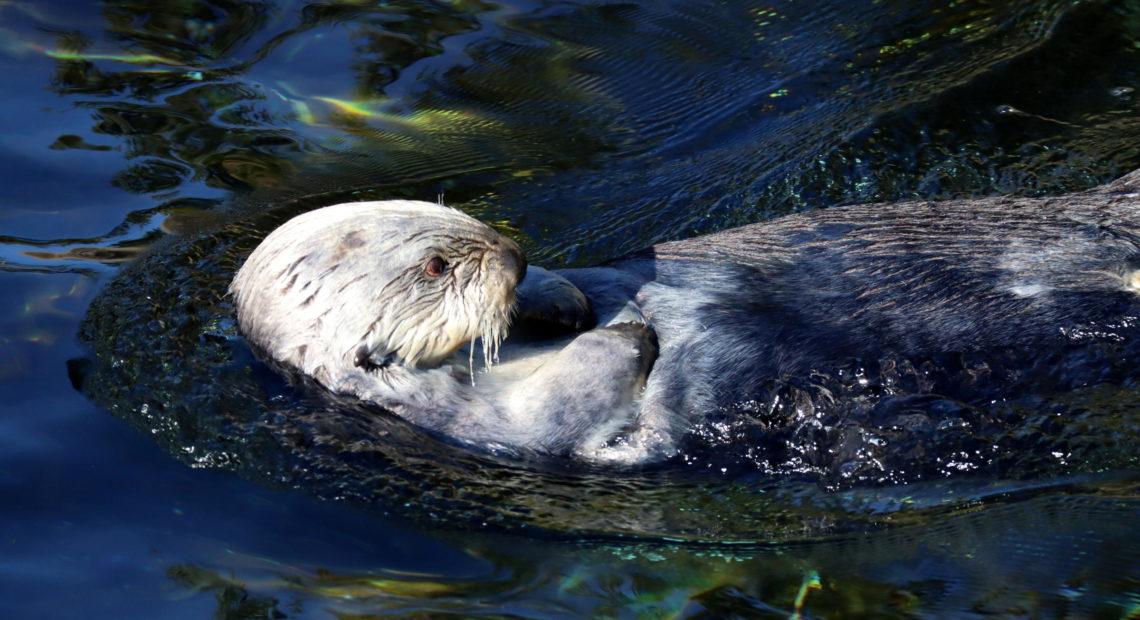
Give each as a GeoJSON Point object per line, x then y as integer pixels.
{"type": "Point", "coordinates": [435, 267]}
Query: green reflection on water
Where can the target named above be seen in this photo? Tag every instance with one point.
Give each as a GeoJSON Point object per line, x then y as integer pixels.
{"type": "Point", "coordinates": [917, 571]}
{"type": "Point", "coordinates": [427, 97]}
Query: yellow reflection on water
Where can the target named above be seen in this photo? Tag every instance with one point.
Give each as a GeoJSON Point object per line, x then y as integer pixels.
{"type": "Point", "coordinates": [419, 119]}
{"type": "Point", "coordinates": [135, 59]}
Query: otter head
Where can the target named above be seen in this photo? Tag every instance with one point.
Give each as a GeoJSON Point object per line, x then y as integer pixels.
{"type": "Point", "coordinates": [372, 283]}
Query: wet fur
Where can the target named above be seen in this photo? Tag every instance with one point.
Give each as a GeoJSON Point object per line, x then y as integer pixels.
{"type": "Point", "coordinates": [734, 310]}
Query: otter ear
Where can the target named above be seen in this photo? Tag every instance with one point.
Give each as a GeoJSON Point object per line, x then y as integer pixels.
{"type": "Point", "coordinates": [367, 359]}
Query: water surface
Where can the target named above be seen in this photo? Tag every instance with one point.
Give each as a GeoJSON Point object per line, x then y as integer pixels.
{"type": "Point", "coordinates": [584, 130]}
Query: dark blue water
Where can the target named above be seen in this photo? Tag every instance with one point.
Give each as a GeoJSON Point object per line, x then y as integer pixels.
{"type": "Point", "coordinates": [583, 129]}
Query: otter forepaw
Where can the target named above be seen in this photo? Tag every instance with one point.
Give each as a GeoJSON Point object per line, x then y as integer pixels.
{"type": "Point", "coordinates": [641, 335]}
{"type": "Point", "coordinates": [549, 304]}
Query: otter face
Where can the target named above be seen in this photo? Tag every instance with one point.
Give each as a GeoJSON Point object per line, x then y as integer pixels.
{"type": "Point", "coordinates": [366, 284]}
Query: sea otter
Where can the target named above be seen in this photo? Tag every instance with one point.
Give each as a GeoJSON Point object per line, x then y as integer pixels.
{"type": "Point", "coordinates": [375, 300]}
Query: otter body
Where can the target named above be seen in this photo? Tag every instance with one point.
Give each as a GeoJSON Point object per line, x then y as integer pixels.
{"type": "Point", "coordinates": [734, 310]}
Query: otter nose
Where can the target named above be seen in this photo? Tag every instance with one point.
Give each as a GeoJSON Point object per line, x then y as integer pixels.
{"type": "Point", "coordinates": [511, 259]}
{"type": "Point", "coordinates": [520, 265]}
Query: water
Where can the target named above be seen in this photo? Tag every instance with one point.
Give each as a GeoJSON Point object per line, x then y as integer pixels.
{"type": "Point", "coordinates": [583, 130]}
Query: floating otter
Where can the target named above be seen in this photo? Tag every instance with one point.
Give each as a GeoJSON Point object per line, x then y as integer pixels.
{"type": "Point", "coordinates": [373, 300]}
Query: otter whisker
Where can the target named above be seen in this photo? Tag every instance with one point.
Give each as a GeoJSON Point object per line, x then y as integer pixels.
{"type": "Point", "coordinates": [471, 362]}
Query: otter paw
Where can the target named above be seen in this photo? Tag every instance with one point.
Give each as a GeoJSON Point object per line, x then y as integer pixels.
{"type": "Point", "coordinates": [549, 304]}
{"type": "Point", "coordinates": [642, 336]}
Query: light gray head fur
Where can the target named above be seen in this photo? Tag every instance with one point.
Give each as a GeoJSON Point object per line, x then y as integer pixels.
{"type": "Point", "coordinates": [350, 285]}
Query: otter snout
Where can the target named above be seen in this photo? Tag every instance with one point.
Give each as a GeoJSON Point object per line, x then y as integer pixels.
{"type": "Point", "coordinates": [517, 260]}
{"type": "Point", "coordinates": [509, 260]}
